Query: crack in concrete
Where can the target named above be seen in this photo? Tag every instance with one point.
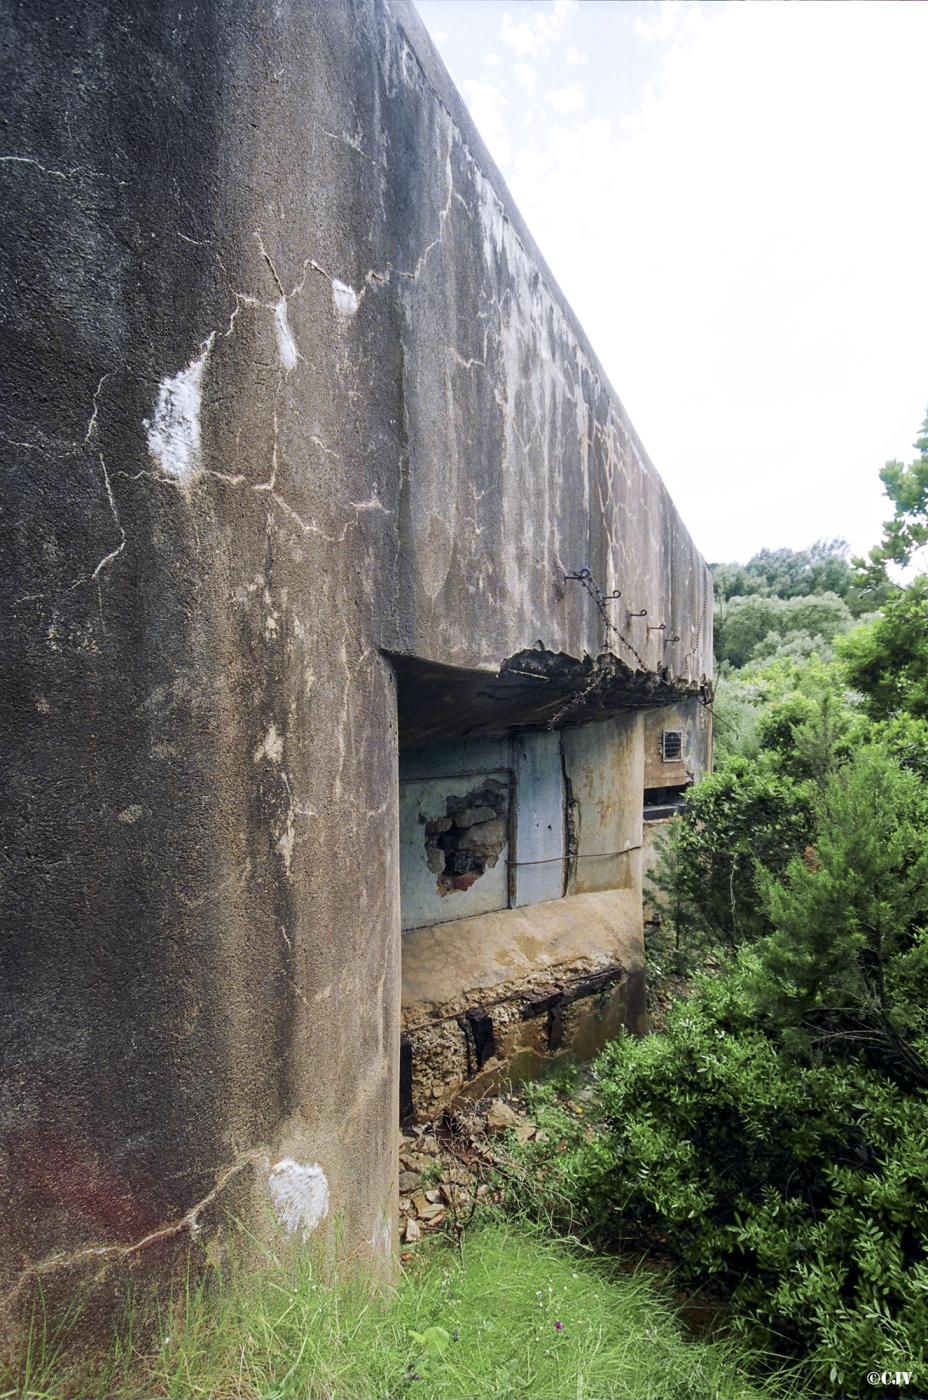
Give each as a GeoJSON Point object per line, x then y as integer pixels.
{"type": "Point", "coordinates": [92, 424]}
{"type": "Point", "coordinates": [114, 553]}
{"type": "Point", "coordinates": [48, 170]}
{"type": "Point", "coordinates": [110, 1253]}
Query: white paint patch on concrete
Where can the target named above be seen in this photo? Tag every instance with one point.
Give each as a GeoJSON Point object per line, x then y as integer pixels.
{"type": "Point", "coordinates": [345, 298]}
{"type": "Point", "coordinates": [382, 1238]}
{"type": "Point", "coordinates": [174, 431]}
{"type": "Point", "coordinates": [285, 842]}
{"type": "Point", "coordinates": [271, 746]}
{"type": "Point", "coordinates": [286, 345]}
{"type": "Point", "coordinates": [300, 1195]}
{"type": "Point", "coordinates": [131, 814]}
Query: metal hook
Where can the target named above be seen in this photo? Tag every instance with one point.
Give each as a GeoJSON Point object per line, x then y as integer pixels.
{"type": "Point", "coordinates": [643, 613]}
{"type": "Point", "coordinates": [658, 627]}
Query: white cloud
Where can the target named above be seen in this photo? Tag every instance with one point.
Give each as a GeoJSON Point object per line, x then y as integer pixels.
{"type": "Point", "coordinates": [660, 20]}
{"type": "Point", "coordinates": [525, 75]}
{"type": "Point", "coordinates": [532, 35]}
{"type": "Point", "coordinates": [575, 58]}
{"type": "Point", "coordinates": [567, 99]}
{"type": "Point", "coordinates": [760, 287]}
{"type": "Point", "coordinates": [491, 60]}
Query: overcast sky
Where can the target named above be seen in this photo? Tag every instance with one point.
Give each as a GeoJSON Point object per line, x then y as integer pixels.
{"type": "Point", "coordinates": [734, 198]}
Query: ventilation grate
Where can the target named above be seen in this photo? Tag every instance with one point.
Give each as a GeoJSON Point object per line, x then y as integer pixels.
{"type": "Point", "coordinates": [671, 745]}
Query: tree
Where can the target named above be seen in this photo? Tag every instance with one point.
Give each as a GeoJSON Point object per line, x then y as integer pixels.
{"type": "Point", "coordinates": [704, 885]}
{"type": "Point", "coordinates": [745, 624]}
{"type": "Point", "coordinates": [759, 625]}
{"type": "Point", "coordinates": [907, 487]}
{"type": "Point", "coordinates": [887, 660]}
{"type": "Point", "coordinates": [847, 962]}
{"type": "Point", "coordinates": [795, 573]}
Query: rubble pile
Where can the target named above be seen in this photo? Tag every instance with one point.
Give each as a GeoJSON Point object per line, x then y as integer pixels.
{"type": "Point", "coordinates": [450, 1166]}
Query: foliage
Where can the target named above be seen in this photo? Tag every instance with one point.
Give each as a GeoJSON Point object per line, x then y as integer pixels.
{"type": "Point", "coordinates": [800, 1185]}
{"type": "Point", "coordinates": [739, 816]}
{"type": "Point", "coordinates": [477, 1323]}
{"type": "Point", "coordinates": [744, 624]}
{"type": "Point", "coordinates": [907, 487]}
{"type": "Point", "coordinates": [750, 627]}
{"type": "Point", "coordinates": [736, 708]}
{"type": "Point", "coordinates": [798, 646]}
{"type": "Point", "coordinates": [789, 573]}
{"type": "Point", "coordinates": [796, 1186]}
{"type": "Point", "coordinates": [887, 660]}
{"type": "Point", "coordinates": [905, 736]}
{"type": "Point", "coordinates": [775, 1137]}
{"type": "Point", "coordinates": [743, 698]}
{"type": "Point", "coordinates": [809, 733]}
{"type": "Point", "coordinates": [847, 963]}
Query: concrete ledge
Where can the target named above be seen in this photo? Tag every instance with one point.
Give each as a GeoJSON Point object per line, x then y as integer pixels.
{"type": "Point", "coordinates": [458, 963]}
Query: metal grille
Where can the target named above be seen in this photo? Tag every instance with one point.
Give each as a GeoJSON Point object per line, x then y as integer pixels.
{"type": "Point", "coordinates": [671, 745]}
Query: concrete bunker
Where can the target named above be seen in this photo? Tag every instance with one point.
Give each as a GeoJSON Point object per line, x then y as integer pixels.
{"type": "Point", "coordinates": [372, 497]}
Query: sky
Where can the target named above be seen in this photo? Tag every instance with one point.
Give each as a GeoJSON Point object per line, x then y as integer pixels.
{"type": "Point", "coordinates": [733, 197]}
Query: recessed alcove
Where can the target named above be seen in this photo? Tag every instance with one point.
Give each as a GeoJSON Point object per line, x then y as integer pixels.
{"type": "Point", "coordinates": [505, 839]}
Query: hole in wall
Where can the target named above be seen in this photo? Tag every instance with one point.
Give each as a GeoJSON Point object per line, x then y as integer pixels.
{"type": "Point", "coordinates": [467, 841]}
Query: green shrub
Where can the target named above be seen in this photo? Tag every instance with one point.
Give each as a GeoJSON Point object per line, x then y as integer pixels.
{"type": "Point", "coordinates": [847, 962]}
{"type": "Point", "coordinates": [886, 661]}
{"type": "Point", "coordinates": [798, 1187]}
{"type": "Point", "coordinates": [704, 885]}
{"type": "Point", "coordinates": [906, 738]}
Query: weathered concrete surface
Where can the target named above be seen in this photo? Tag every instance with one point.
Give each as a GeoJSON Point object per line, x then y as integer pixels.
{"type": "Point", "coordinates": [286, 387]}
{"type": "Point", "coordinates": [604, 765]}
{"type": "Point", "coordinates": [694, 721]}
{"type": "Point", "coordinates": [452, 966]}
{"type": "Point", "coordinates": [497, 965]}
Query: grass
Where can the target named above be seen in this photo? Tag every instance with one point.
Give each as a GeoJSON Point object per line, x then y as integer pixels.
{"type": "Point", "coordinates": [482, 1322]}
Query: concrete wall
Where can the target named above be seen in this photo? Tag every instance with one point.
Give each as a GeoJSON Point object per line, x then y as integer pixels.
{"type": "Point", "coordinates": [693, 720]}
{"type": "Point", "coordinates": [289, 396]}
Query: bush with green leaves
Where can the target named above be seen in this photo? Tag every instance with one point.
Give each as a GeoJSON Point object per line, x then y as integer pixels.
{"type": "Point", "coordinates": [749, 627]}
{"type": "Point", "coordinates": [704, 884]}
{"type": "Point", "coordinates": [794, 573]}
{"type": "Point", "coordinates": [799, 1185]}
{"type": "Point", "coordinates": [905, 736]}
{"type": "Point", "coordinates": [847, 962]}
{"type": "Point", "coordinates": [886, 661]}
{"type": "Point", "coordinates": [774, 1138]}
{"type": "Point", "coordinates": [796, 1186]}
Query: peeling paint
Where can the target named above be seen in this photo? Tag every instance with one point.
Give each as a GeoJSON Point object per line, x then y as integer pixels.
{"type": "Point", "coordinates": [345, 298]}
{"type": "Point", "coordinates": [300, 1195]}
{"type": "Point", "coordinates": [286, 345]}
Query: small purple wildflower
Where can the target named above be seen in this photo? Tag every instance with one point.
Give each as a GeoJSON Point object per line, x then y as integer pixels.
{"type": "Point", "coordinates": [559, 1326]}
